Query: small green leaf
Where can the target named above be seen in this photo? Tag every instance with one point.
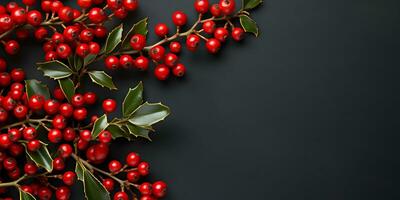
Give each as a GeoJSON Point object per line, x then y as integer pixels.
{"type": "Point", "coordinates": [78, 62]}
{"type": "Point", "coordinates": [55, 69]}
{"type": "Point", "coordinates": [249, 25]}
{"type": "Point", "coordinates": [99, 125]}
{"type": "Point", "coordinates": [36, 87]}
{"type": "Point", "coordinates": [118, 131]}
{"type": "Point", "coordinates": [94, 190]}
{"type": "Point", "coordinates": [67, 87]}
{"type": "Point", "coordinates": [250, 4]}
{"type": "Point", "coordinates": [79, 170]}
{"type": "Point", "coordinates": [102, 79]}
{"type": "Point", "coordinates": [89, 59]}
{"type": "Point", "coordinates": [138, 28]}
{"type": "Point", "coordinates": [138, 131]}
{"type": "Point", "coordinates": [133, 99]}
{"type": "Point", "coordinates": [25, 195]}
{"type": "Point", "coordinates": [148, 114]}
{"type": "Point", "coordinates": [41, 157]}
{"type": "Point", "coordinates": [113, 39]}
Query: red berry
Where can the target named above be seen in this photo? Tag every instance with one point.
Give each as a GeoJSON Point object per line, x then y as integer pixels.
{"type": "Point", "coordinates": [66, 109]}
{"type": "Point", "coordinates": [69, 178]}
{"type": "Point", "coordinates": [179, 70]}
{"type": "Point", "coordinates": [209, 26]}
{"type": "Point", "coordinates": [12, 47]}
{"type": "Point", "coordinates": [114, 166]}
{"type": "Point", "coordinates": [86, 35]}
{"type": "Point", "coordinates": [66, 14]}
{"type": "Point", "coordinates": [192, 41]}
{"type": "Point", "coordinates": [108, 184]}
{"type": "Point", "coordinates": [112, 62]}
{"type": "Point", "coordinates": [40, 33]}
{"type": "Point", "coordinates": [90, 98]}
{"type": "Point", "coordinates": [58, 94]}
{"type": "Point", "coordinates": [29, 133]}
{"type": "Point", "coordinates": [143, 168]}
{"type": "Point", "coordinates": [36, 102]}
{"type": "Point", "coordinates": [6, 22]}
{"type": "Point", "coordinates": [121, 13]}
{"type": "Point", "coordinates": [133, 176]}
{"type": "Point", "coordinates": [69, 134]}
{"type": "Point", "coordinates": [63, 51]}
{"type": "Point", "coordinates": [161, 29]}
{"type": "Point", "coordinates": [5, 141]}
{"type": "Point", "coordinates": [54, 136]}
{"type": "Point", "coordinates": [94, 48]}
{"type": "Point", "coordinates": [237, 33]}
{"type": "Point", "coordinates": [159, 189]}
{"type": "Point", "coordinates": [175, 47]}
{"type": "Point", "coordinates": [109, 105]}
{"type": "Point", "coordinates": [227, 6]}
{"type": "Point", "coordinates": [17, 74]}
{"type": "Point", "coordinates": [130, 5]}
{"type": "Point", "coordinates": [10, 163]}
{"type": "Point", "coordinates": [138, 41]}
{"type": "Point", "coordinates": [3, 65]}
{"type": "Point", "coordinates": [46, 5]}
{"type": "Point", "coordinates": [56, 6]}
{"type": "Point", "coordinates": [142, 63]}
{"type": "Point", "coordinates": [179, 18]}
{"type": "Point", "coordinates": [84, 3]}
{"type": "Point", "coordinates": [97, 15]}
{"type": "Point", "coordinates": [3, 115]}
{"type": "Point", "coordinates": [18, 16]}
{"type": "Point", "coordinates": [51, 106]}
{"type": "Point", "coordinates": [29, 2]}
{"type": "Point", "coordinates": [63, 193]}
{"type": "Point", "coordinates": [120, 196]}
{"type": "Point", "coordinates": [215, 10]}
{"type": "Point", "coordinates": [132, 159]}
{"type": "Point", "coordinates": [170, 59]}
{"type": "Point", "coordinates": [14, 134]}
{"type": "Point", "coordinates": [157, 53]}
{"type": "Point", "coordinates": [34, 18]}
{"type": "Point", "coordinates": [5, 79]}
{"type": "Point", "coordinates": [20, 111]}
{"type": "Point", "coordinates": [85, 135]}
{"type": "Point", "coordinates": [161, 72]}
{"type": "Point", "coordinates": [77, 100]}
{"type": "Point", "coordinates": [201, 6]}
{"type": "Point", "coordinates": [30, 168]}
{"type": "Point", "coordinates": [57, 38]}
{"type": "Point", "coordinates": [33, 145]}
{"type": "Point", "coordinates": [65, 150]}
{"type": "Point", "coordinates": [44, 193]}
{"type": "Point", "coordinates": [59, 122]}
{"type": "Point", "coordinates": [71, 33]}
{"type": "Point", "coordinates": [145, 188]}
{"type": "Point", "coordinates": [213, 45]}
{"type": "Point", "coordinates": [100, 31]}
{"type": "Point", "coordinates": [8, 103]}
{"type": "Point", "coordinates": [126, 61]}
{"type": "Point", "coordinates": [221, 34]}
{"type": "Point", "coordinates": [114, 4]}
{"type": "Point", "coordinates": [82, 50]}
{"type": "Point", "coordinates": [58, 163]}
{"type": "Point", "coordinates": [105, 137]}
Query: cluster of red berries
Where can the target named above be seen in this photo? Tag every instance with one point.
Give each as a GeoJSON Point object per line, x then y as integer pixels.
{"type": "Point", "coordinates": [169, 61]}
{"type": "Point", "coordinates": [76, 37]}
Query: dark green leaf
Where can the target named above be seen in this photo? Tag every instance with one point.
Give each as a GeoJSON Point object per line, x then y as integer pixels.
{"type": "Point", "coordinates": [249, 25]}
{"type": "Point", "coordinates": [79, 170]}
{"type": "Point", "coordinates": [25, 195]}
{"type": "Point", "coordinates": [118, 131]}
{"type": "Point", "coordinates": [149, 114]}
{"type": "Point", "coordinates": [41, 157]}
{"type": "Point", "coordinates": [138, 28]}
{"type": "Point", "coordinates": [67, 87]}
{"type": "Point", "coordinates": [113, 39]}
{"type": "Point", "coordinates": [99, 125]}
{"type": "Point", "coordinates": [89, 59]}
{"type": "Point", "coordinates": [102, 79]}
{"type": "Point", "coordinates": [36, 87]}
{"type": "Point", "coordinates": [138, 131]}
{"type": "Point", "coordinates": [250, 4]}
{"type": "Point", "coordinates": [94, 190]}
{"type": "Point", "coordinates": [55, 69]}
{"type": "Point", "coordinates": [132, 100]}
{"type": "Point", "coordinates": [78, 62]}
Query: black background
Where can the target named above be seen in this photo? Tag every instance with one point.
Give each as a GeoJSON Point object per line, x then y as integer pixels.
{"type": "Point", "coordinates": [309, 110]}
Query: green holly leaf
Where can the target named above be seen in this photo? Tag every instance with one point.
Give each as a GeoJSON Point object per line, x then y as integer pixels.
{"type": "Point", "coordinates": [113, 39]}
{"type": "Point", "coordinates": [41, 157]}
{"type": "Point", "coordinates": [138, 131]}
{"type": "Point", "coordinates": [79, 170]}
{"type": "Point", "coordinates": [138, 28]}
{"type": "Point", "coordinates": [133, 99]}
{"type": "Point", "coordinates": [93, 187]}
{"type": "Point", "coordinates": [99, 125]}
{"type": "Point", "coordinates": [55, 69]}
{"type": "Point", "coordinates": [78, 62]}
{"type": "Point", "coordinates": [148, 114]}
{"type": "Point", "coordinates": [36, 87]}
{"type": "Point", "coordinates": [102, 79]}
{"type": "Point", "coordinates": [250, 4]}
{"type": "Point", "coordinates": [118, 131]}
{"type": "Point", "coordinates": [25, 195]}
{"type": "Point", "coordinates": [249, 25]}
{"type": "Point", "coordinates": [67, 87]}
{"type": "Point", "coordinates": [89, 59]}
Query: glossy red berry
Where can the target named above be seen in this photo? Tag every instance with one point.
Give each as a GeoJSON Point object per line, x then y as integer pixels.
{"type": "Point", "coordinates": [3, 115]}
{"type": "Point", "coordinates": [114, 166]}
{"type": "Point", "coordinates": [126, 61]}
{"type": "Point", "coordinates": [145, 188]}
{"type": "Point", "coordinates": [71, 33]}
{"type": "Point", "coordinates": [30, 168]}
{"type": "Point", "coordinates": [105, 137]}
{"type": "Point", "coordinates": [179, 18]}
{"type": "Point", "coordinates": [121, 13]}
{"type": "Point", "coordinates": [227, 6]}
{"type": "Point", "coordinates": [17, 75]}
{"type": "Point", "coordinates": [54, 135]}
{"type": "Point", "coordinates": [109, 105]}
{"type": "Point", "coordinates": [213, 45]}
{"type": "Point", "coordinates": [10, 163]}
{"type": "Point", "coordinates": [58, 164]}
{"type": "Point", "coordinates": [20, 111]}
{"type": "Point", "coordinates": [161, 72]}
{"type": "Point", "coordinates": [63, 51]}
{"type": "Point", "coordinates": [237, 33]}
{"type": "Point", "coordinates": [29, 133]}
{"type": "Point", "coordinates": [170, 59]}
{"type": "Point", "coordinates": [29, 2]}
{"type": "Point", "coordinates": [97, 15]}
{"type": "Point", "coordinates": [36, 102]}
{"type": "Point", "coordinates": [100, 31]}
{"type": "Point", "coordinates": [51, 106]}
{"type": "Point", "coordinates": [14, 134]}
{"type": "Point", "coordinates": [141, 63]}
{"type": "Point", "coordinates": [159, 189]}
{"type": "Point", "coordinates": [143, 168]}
{"type": "Point", "coordinates": [157, 53]}
{"type": "Point", "coordinates": [90, 98]}
{"type": "Point", "coordinates": [133, 176]}
{"type": "Point", "coordinates": [18, 16]}
{"type": "Point", "coordinates": [77, 100]}
{"type": "Point", "coordinates": [6, 22]}
{"type": "Point", "coordinates": [86, 35]}
{"type": "Point", "coordinates": [12, 47]}
{"type": "Point", "coordinates": [59, 122]}
{"type": "Point", "coordinates": [209, 26]}
{"type": "Point", "coordinates": [69, 134]}
{"type": "Point", "coordinates": [179, 70]}
{"type": "Point", "coordinates": [5, 79]}
{"type": "Point", "coordinates": [85, 135]}
{"type": "Point", "coordinates": [5, 141]}
{"type": "Point", "coordinates": [201, 6]}
{"type": "Point", "coordinates": [66, 110]}
{"type": "Point", "coordinates": [8, 103]}
{"type": "Point", "coordinates": [175, 47]}
{"type": "Point", "coordinates": [66, 14]}
{"type": "Point", "coordinates": [33, 145]}
{"type": "Point", "coordinates": [80, 114]}
{"type": "Point", "coordinates": [44, 193]}
{"type": "Point", "coordinates": [65, 150]}
{"type": "Point", "coordinates": [215, 10]}
{"type": "Point", "coordinates": [34, 18]}
{"type": "Point", "coordinates": [132, 159]}
{"type": "Point", "coordinates": [221, 34]}
{"type": "Point", "coordinates": [51, 55]}
{"type": "Point", "coordinates": [82, 50]}
{"type": "Point", "coordinates": [63, 193]}
{"type": "Point", "coordinates": [3, 65]}
{"type": "Point", "coordinates": [58, 94]}
{"type": "Point", "coordinates": [137, 42]}
{"type": "Point", "coordinates": [130, 5]}
{"type": "Point", "coordinates": [84, 3]}
{"type": "Point", "coordinates": [192, 41]}
{"type": "Point", "coordinates": [161, 30]}
{"type": "Point", "coordinates": [108, 184]}
{"type": "Point", "coordinates": [112, 62]}
{"type": "Point", "coordinates": [94, 48]}
{"type": "Point", "coordinates": [69, 178]}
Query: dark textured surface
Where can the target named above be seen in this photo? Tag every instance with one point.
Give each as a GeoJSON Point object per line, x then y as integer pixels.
{"type": "Point", "coordinates": [307, 111]}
